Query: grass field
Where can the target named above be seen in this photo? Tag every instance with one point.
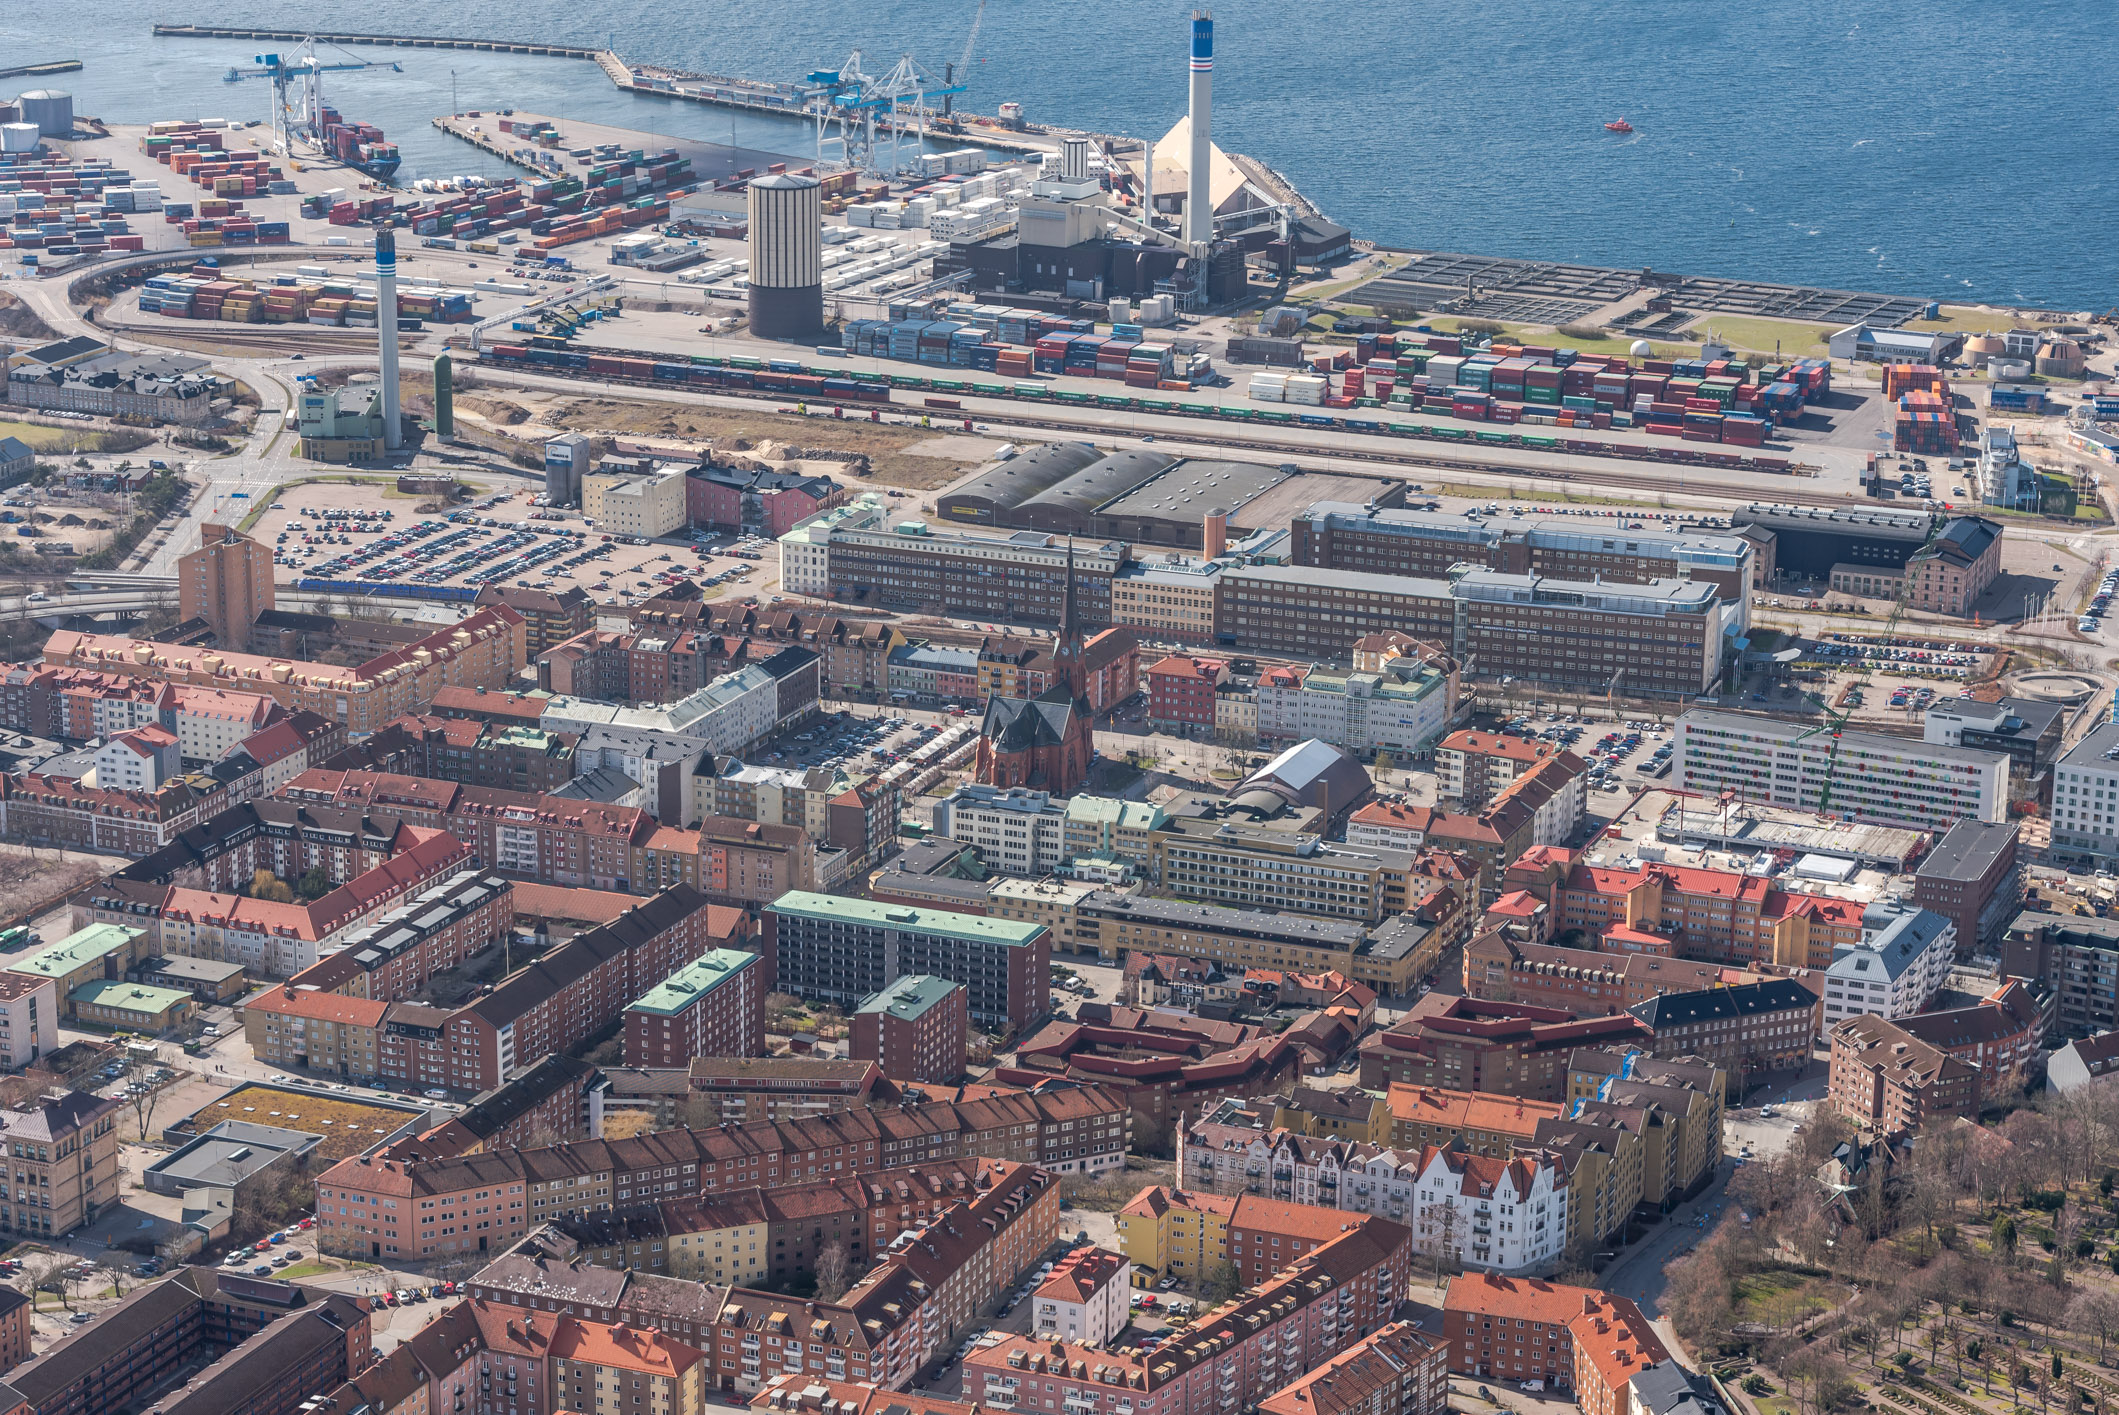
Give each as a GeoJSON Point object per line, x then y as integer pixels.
{"type": "Point", "coordinates": [1546, 334]}
{"type": "Point", "coordinates": [1969, 319]}
{"type": "Point", "coordinates": [60, 440]}
{"type": "Point", "coordinates": [1796, 340]}
{"type": "Point", "coordinates": [1779, 1298]}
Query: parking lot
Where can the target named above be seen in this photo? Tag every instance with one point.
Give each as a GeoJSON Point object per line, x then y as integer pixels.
{"type": "Point", "coordinates": [856, 743]}
{"type": "Point", "coordinates": [329, 531]}
{"type": "Point", "coordinates": [1621, 759]}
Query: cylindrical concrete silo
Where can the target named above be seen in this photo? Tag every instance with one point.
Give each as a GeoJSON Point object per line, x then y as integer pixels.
{"type": "Point", "coordinates": [51, 110]}
{"type": "Point", "coordinates": [786, 256]}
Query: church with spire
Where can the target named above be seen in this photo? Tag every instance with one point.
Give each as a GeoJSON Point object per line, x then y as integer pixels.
{"type": "Point", "coordinates": [1046, 743]}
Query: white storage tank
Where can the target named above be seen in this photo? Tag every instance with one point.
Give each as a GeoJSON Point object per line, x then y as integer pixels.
{"type": "Point", "coordinates": [51, 110]}
{"type": "Point", "coordinates": [786, 256]}
{"type": "Point", "coordinates": [18, 137]}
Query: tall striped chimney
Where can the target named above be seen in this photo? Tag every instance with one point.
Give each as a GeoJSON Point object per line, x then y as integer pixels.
{"type": "Point", "coordinates": [1199, 204]}
{"type": "Point", "coordinates": [386, 330]}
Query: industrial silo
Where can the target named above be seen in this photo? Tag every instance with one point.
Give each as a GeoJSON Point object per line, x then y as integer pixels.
{"type": "Point", "coordinates": [18, 137]}
{"type": "Point", "coordinates": [50, 110]}
{"type": "Point", "coordinates": [786, 256]}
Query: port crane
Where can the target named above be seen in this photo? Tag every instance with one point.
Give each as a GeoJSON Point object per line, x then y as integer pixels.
{"type": "Point", "coordinates": [852, 101]}
{"type": "Point", "coordinates": [298, 90]}
{"type": "Point", "coordinates": [951, 72]}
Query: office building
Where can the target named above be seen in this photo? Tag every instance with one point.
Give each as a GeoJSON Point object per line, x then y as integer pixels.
{"type": "Point", "coordinates": [2027, 730]}
{"type": "Point", "coordinates": [1859, 776]}
{"type": "Point", "coordinates": [829, 948]}
{"type": "Point", "coordinates": [1401, 705]}
{"type": "Point", "coordinates": [1972, 879]}
{"type": "Point", "coordinates": [634, 504]}
{"type": "Point", "coordinates": [1662, 639]}
{"type": "Point", "coordinates": [1017, 579]}
{"type": "Point", "coordinates": [1395, 541]}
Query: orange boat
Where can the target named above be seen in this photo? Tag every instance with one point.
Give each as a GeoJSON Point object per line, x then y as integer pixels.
{"type": "Point", "coordinates": [1618, 126]}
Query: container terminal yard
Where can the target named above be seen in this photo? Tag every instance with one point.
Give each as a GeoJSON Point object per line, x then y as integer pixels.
{"type": "Point", "coordinates": [995, 297]}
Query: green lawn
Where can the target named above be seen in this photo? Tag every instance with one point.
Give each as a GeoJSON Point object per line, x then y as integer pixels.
{"type": "Point", "coordinates": [1780, 1298]}
{"type": "Point", "coordinates": [1796, 340]}
{"type": "Point", "coordinates": [1546, 334]}
{"type": "Point", "coordinates": [1968, 319]}
{"type": "Point", "coordinates": [297, 1271]}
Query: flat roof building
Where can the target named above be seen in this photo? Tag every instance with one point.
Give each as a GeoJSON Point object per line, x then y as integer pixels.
{"type": "Point", "coordinates": [1861, 776]}
{"type": "Point", "coordinates": [834, 949]}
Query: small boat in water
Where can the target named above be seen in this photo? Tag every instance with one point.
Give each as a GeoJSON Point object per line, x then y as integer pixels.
{"type": "Point", "coordinates": [1619, 125]}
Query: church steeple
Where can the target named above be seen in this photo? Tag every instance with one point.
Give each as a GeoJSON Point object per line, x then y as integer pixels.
{"type": "Point", "coordinates": [1069, 670]}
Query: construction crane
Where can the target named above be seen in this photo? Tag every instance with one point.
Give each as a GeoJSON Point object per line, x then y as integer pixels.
{"type": "Point", "coordinates": [951, 72]}
{"type": "Point", "coordinates": [301, 112]}
{"type": "Point", "coordinates": [1835, 723]}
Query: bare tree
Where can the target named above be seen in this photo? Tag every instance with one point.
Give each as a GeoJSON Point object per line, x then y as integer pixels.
{"type": "Point", "coordinates": [834, 1273]}
{"type": "Point", "coordinates": [40, 1272]}
{"type": "Point", "coordinates": [144, 1096]}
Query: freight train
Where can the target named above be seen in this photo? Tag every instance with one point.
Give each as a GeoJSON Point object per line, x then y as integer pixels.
{"type": "Point", "coordinates": [782, 377]}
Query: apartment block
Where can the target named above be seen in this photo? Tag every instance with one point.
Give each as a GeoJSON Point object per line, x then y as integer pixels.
{"type": "Point", "coordinates": [549, 616]}
{"type": "Point", "coordinates": [1398, 1371]}
{"type": "Point", "coordinates": [664, 1376]}
{"type": "Point", "coordinates": [482, 650]}
{"type": "Point", "coordinates": [1571, 1338]}
{"type": "Point", "coordinates": [1315, 1308]}
{"type": "Point", "coordinates": [1891, 1082]}
{"type": "Point", "coordinates": [834, 949]}
{"type": "Point", "coordinates": [1859, 776]}
{"type": "Point", "coordinates": [708, 1090]}
{"type": "Point", "coordinates": [1895, 969]}
{"type": "Point", "coordinates": [1401, 705]}
{"type": "Point", "coordinates": [1499, 967]}
{"type": "Point", "coordinates": [480, 1203]}
{"type": "Point", "coordinates": [916, 1029]}
{"type": "Point", "coordinates": [1467, 1044]}
{"type": "Point", "coordinates": [393, 957]}
{"type": "Point", "coordinates": [2076, 956]}
{"type": "Point", "coordinates": [712, 1006]}
{"type": "Point", "coordinates": [1174, 1232]}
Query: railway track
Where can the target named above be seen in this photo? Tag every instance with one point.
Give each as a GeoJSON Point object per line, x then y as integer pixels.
{"type": "Point", "coordinates": [1775, 487]}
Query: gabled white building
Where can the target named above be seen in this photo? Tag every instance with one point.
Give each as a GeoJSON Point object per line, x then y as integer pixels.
{"type": "Point", "coordinates": [1503, 1216]}
{"type": "Point", "coordinates": [1086, 1298]}
{"type": "Point", "coordinates": [1903, 959]}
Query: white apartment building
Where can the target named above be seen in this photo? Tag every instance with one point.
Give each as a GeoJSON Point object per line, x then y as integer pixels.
{"type": "Point", "coordinates": [1860, 776]}
{"type": "Point", "coordinates": [1086, 1298]}
{"type": "Point", "coordinates": [29, 1019]}
{"type": "Point", "coordinates": [651, 505]}
{"type": "Point", "coordinates": [730, 715]}
{"type": "Point", "coordinates": [211, 721]}
{"type": "Point", "coordinates": [1503, 1216]}
{"type": "Point", "coordinates": [1404, 708]}
{"type": "Point", "coordinates": [2086, 797]}
{"type": "Point", "coordinates": [1902, 961]}
{"type": "Point", "coordinates": [139, 760]}
{"type": "Point", "coordinates": [805, 551]}
{"type": "Point", "coordinates": [1016, 831]}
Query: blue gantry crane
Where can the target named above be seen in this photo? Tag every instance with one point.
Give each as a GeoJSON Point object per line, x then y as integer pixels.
{"type": "Point", "coordinates": [298, 90]}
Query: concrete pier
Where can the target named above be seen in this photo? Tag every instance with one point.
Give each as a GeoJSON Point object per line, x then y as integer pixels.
{"type": "Point", "coordinates": [395, 41]}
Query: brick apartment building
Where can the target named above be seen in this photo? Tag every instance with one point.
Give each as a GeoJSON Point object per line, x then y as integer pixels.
{"type": "Point", "coordinates": [1890, 1081]}
{"type": "Point", "coordinates": [1508, 1049]}
{"type": "Point", "coordinates": [549, 1005]}
{"type": "Point", "coordinates": [712, 1006]}
{"type": "Point", "coordinates": [487, 1201]}
{"type": "Point", "coordinates": [916, 1029]}
{"type": "Point", "coordinates": [549, 616]}
{"type": "Point", "coordinates": [1315, 1308]}
{"type": "Point", "coordinates": [1181, 693]}
{"type": "Point", "coordinates": [394, 956]}
{"type": "Point", "coordinates": [1571, 1338]}
{"type": "Point", "coordinates": [562, 840]}
{"type": "Point", "coordinates": [467, 751]}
